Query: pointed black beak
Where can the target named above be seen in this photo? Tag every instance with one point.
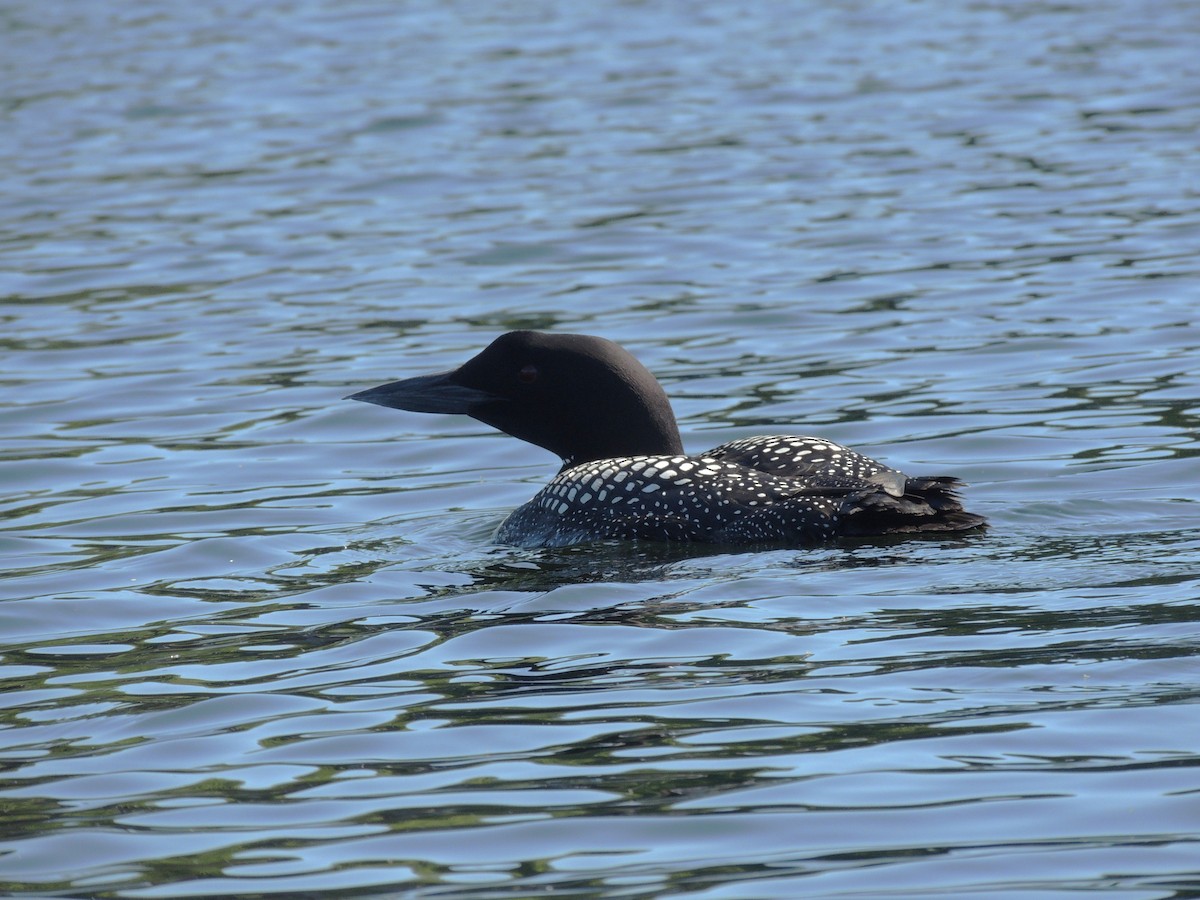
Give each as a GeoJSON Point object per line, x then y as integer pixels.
{"type": "Point", "coordinates": [425, 393]}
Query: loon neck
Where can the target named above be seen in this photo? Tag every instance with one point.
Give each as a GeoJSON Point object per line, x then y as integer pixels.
{"type": "Point", "coordinates": [652, 436]}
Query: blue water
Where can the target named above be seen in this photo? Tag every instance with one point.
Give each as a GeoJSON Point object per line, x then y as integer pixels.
{"type": "Point", "coordinates": [257, 640]}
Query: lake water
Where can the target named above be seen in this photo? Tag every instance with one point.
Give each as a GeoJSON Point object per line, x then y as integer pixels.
{"type": "Point", "coordinates": [257, 640]}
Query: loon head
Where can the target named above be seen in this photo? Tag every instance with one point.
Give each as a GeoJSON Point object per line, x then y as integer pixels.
{"type": "Point", "coordinates": [581, 397]}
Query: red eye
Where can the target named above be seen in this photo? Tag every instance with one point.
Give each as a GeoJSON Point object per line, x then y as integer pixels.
{"type": "Point", "coordinates": [528, 374]}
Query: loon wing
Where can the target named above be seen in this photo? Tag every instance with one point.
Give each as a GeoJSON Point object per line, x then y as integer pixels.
{"type": "Point", "coordinates": [799, 457]}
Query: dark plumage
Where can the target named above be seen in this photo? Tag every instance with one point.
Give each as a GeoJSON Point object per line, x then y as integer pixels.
{"type": "Point", "coordinates": [625, 474]}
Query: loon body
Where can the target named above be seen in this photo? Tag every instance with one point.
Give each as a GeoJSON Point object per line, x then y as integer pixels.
{"type": "Point", "coordinates": [625, 475]}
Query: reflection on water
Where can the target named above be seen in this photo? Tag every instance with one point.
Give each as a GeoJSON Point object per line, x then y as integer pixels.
{"type": "Point", "coordinates": [257, 640]}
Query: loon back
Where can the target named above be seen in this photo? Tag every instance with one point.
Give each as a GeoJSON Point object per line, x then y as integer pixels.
{"type": "Point", "coordinates": [624, 472]}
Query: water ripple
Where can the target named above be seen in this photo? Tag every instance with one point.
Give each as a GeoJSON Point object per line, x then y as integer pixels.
{"type": "Point", "coordinates": [260, 640]}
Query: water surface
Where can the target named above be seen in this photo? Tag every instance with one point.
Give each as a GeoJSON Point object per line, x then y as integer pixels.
{"type": "Point", "coordinates": [257, 640]}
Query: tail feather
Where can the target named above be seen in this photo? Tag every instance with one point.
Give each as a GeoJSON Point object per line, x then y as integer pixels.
{"type": "Point", "coordinates": [928, 504]}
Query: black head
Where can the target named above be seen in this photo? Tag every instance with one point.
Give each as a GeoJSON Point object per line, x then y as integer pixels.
{"type": "Point", "coordinates": [579, 396]}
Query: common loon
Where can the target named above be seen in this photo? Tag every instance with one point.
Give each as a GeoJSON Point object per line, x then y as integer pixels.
{"type": "Point", "coordinates": [625, 474]}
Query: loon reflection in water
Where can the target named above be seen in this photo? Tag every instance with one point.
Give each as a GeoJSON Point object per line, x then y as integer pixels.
{"type": "Point", "coordinates": [625, 474]}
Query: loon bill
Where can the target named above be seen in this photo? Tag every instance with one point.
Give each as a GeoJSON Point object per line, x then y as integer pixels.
{"type": "Point", "coordinates": [625, 474]}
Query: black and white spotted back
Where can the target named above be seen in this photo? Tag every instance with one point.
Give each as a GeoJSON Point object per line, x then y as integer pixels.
{"type": "Point", "coordinates": [683, 498]}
